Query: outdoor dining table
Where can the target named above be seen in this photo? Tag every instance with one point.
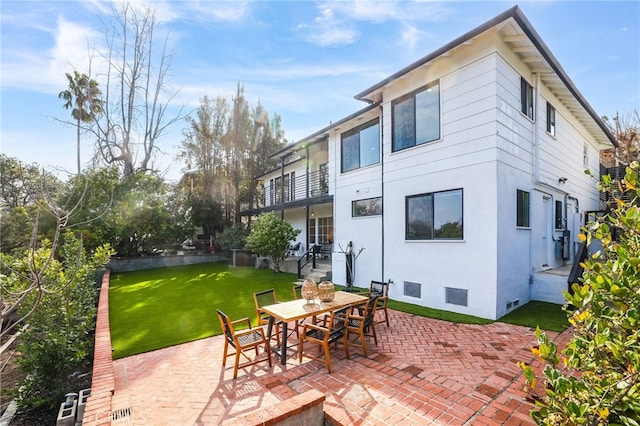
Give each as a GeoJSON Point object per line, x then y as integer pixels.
{"type": "Point", "coordinates": [300, 309]}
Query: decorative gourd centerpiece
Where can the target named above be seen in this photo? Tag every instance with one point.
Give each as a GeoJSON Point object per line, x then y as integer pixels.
{"type": "Point", "coordinates": [309, 290]}
{"type": "Point", "coordinates": [326, 291]}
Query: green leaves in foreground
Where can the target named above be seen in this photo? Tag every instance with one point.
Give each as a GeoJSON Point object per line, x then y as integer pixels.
{"type": "Point", "coordinates": [595, 380]}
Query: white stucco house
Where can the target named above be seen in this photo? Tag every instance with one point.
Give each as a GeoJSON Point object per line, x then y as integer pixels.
{"type": "Point", "coordinates": [463, 177]}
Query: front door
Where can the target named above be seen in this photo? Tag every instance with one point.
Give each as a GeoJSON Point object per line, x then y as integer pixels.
{"type": "Point", "coordinates": [541, 232]}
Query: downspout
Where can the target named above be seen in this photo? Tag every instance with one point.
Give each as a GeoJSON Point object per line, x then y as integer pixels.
{"type": "Point", "coordinates": [536, 167]}
{"type": "Point", "coordinates": [306, 156]}
{"type": "Point", "coordinates": [282, 186]}
{"type": "Point", "coordinates": [382, 185]}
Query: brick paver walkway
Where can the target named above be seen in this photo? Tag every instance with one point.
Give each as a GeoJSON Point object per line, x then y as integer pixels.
{"type": "Point", "coordinates": [421, 372]}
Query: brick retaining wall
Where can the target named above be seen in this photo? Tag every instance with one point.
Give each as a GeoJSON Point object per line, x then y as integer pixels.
{"type": "Point", "coordinates": [98, 408]}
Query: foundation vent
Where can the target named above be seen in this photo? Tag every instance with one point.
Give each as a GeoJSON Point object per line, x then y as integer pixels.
{"type": "Point", "coordinates": [413, 289]}
{"type": "Point", "coordinates": [456, 296]}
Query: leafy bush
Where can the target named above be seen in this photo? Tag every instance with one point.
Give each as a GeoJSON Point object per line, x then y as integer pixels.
{"type": "Point", "coordinates": [233, 237]}
{"type": "Point", "coordinates": [270, 236]}
{"type": "Point", "coordinates": [59, 338]}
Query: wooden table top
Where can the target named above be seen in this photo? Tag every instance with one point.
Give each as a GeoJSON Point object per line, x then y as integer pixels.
{"type": "Point", "coordinates": [300, 308]}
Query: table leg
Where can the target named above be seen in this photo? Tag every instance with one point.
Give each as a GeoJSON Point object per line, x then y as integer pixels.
{"type": "Point", "coordinates": [283, 350]}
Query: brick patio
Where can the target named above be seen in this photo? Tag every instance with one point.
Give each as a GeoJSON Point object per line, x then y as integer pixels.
{"type": "Point", "coordinates": [421, 372]}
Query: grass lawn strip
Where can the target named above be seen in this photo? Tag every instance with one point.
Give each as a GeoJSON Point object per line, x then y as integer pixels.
{"type": "Point", "coordinates": [157, 308]}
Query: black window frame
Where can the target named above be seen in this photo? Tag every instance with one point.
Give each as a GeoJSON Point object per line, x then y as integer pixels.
{"type": "Point", "coordinates": [523, 209]}
{"type": "Point", "coordinates": [551, 119]}
{"type": "Point", "coordinates": [526, 99]}
{"type": "Point", "coordinates": [432, 218]}
{"type": "Point", "coordinates": [559, 215]}
{"type": "Point", "coordinates": [412, 97]}
{"type": "Point", "coordinates": [366, 213]}
{"type": "Point", "coordinates": [357, 131]}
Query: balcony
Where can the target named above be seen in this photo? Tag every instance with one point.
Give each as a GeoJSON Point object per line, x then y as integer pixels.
{"type": "Point", "coordinates": [297, 188]}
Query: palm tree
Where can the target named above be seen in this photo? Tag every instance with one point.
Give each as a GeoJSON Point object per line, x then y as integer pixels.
{"type": "Point", "coordinates": [84, 96]}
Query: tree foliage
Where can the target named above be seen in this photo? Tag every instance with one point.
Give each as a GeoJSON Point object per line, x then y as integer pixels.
{"type": "Point", "coordinates": [595, 380]}
{"type": "Point", "coordinates": [270, 236]}
{"type": "Point", "coordinates": [58, 339]}
{"type": "Point", "coordinates": [227, 145]}
{"type": "Point", "coordinates": [84, 99]}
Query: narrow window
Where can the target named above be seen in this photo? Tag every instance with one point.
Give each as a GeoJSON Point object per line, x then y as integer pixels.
{"type": "Point", "coordinates": [559, 215]}
{"type": "Point", "coordinates": [434, 216]}
{"type": "Point", "coordinates": [416, 118]}
{"type": "Point", "coordinates": [522, 209]}
{"type": "Point", "coordinates": [361, 146]}
{"type": "Point", "coordinates": [585, 155]}
{"type": "Point", "coordinates": [368, 207]}
{"type": "Point", "coordinates": [526, 98]}
{"type": "Point", "coordinates": [551, 119]}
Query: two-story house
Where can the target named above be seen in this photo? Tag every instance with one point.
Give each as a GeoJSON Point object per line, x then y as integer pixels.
{"type": "Point", "coordinates": [462, 180]}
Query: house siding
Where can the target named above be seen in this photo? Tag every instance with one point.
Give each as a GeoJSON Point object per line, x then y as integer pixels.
{"type": "Point", "coordinates": [489, 149]}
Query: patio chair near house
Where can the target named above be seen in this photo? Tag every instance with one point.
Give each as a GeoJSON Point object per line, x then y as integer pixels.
{"type": "Point", "coordinates": [330, 332]}
{"type": "Point", "coordinates": [382, 290]}
{"type": "Point", "coordinates": [242, 341]}
{"type": "Point", "coordinates": [295, 250]}
{"type": "Point", "coordinates": [360, 322]}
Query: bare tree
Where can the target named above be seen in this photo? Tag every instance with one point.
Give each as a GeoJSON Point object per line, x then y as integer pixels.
{"type": "Point", "coordinates": [137, 95]}
{"type": "Point", "coordinates": [626, 130]}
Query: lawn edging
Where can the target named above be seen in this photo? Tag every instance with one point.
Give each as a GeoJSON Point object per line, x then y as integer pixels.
{"type": "Point", "coordinates": [99, 403]}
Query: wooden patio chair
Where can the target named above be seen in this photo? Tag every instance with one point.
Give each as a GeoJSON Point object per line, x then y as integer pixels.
{"type": "Point", "coordinates": [361, 322]}
{"type": "Point", "coordinates": [330, 332]}
{"type": "Point", "coordinates": [264, 298]}
{"type": "Point", "coordinates": [382, 290]}
{"type": "Point", "coordinates": [241, 341]}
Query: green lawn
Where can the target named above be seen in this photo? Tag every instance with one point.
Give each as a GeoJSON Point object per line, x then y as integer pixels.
{"type": "Point", "coordinates": [156, 308]}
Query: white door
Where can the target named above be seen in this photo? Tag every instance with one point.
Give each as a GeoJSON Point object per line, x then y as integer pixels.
{"type": "Point", "coordinates": [540, 232]}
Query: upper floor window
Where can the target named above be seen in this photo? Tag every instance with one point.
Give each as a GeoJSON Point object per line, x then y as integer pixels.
{"type": "Point", "coordinates": [434, 216]}
{"type": "Point", "coordinates": [526, 98]}
{"type": "Point", "coordinates": [585, 155]}
{"type": "Point", "coordinates": [416, 118]}
{"type": "Point", "coordinates": [522, 208]}
{"type": "Point", "coordinates": [551, 119]}
{"type": "Point", "coordinates": [361, 146]}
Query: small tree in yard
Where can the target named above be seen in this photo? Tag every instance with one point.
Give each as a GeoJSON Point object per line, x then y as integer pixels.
{"type": "Point", "coordinates": [270, 236]}
{"type": "Point", "coordinates": [595, 380]}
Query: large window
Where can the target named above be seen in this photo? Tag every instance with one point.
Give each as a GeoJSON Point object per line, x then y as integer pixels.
{"type": "Point", "coordinates": [361, 146]}
{"type": "Point", "coordinates": [522, 208]}
{"type": "Point", "coordinates": [526, 98]}
{"type": "Point", "coordinates": [416, 118]}
{"type": "Point", "coordinates": [434, 216]}
{"type": "Point", "coordinates": [368, 207]}
{"type": "Point", "coordinates": [551, 119]}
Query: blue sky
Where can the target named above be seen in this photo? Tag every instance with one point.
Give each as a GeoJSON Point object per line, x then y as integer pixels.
{"type": "Point", "coordinates": [304, 60]}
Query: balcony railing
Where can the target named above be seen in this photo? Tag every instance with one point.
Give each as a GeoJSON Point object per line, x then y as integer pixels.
{"type": "Point", "coordinates": [295, 188]}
